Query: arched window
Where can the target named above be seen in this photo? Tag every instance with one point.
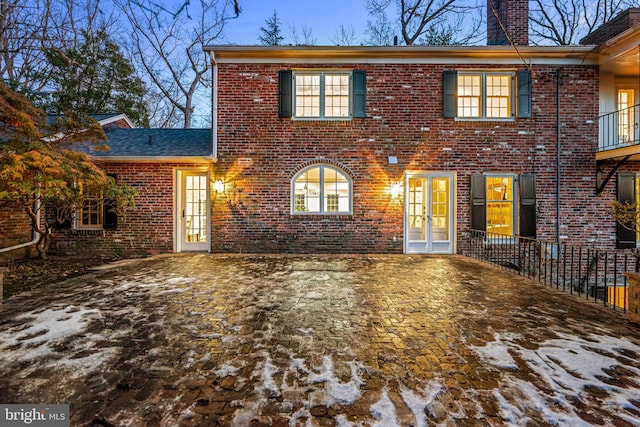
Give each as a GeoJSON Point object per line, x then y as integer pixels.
{"type": "Point", "coordinates": [321, 189]}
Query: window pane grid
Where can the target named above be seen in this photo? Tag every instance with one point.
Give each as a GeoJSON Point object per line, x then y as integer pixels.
{"type": "Point", "coordinates": [500, 196]}
{"type": "Point", "coordinates": [336, 95]}
{"type": "Point", "coordinates": [498, 93]}
{"type": "Point", "coordinates": [321, 189]}
{"type": "Point", "coordinates": [308, 95]}
{"type": "Point", "coordinates": [322, 95]}
{"type": "Point", "coordinates": [469, 92]}
{"type": "Point", "coordinates": [484, 95]}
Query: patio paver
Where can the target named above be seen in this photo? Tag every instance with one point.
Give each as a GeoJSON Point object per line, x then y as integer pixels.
{"type": "Point", "coordinates": [326, 340]}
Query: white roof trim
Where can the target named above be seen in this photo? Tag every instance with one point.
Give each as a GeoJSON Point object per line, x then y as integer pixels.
{"type": "Point", "coordinates": [116, 118]}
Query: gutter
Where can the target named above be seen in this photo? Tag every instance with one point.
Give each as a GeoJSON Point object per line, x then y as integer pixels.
{"type": "Point", "coordinates": [35, 237]}
{"type": "Point", "coordinates": [155, 159]}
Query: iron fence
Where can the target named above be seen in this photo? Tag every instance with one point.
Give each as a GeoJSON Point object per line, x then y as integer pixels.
{"type": "Point", "coordinates": [595, 274]}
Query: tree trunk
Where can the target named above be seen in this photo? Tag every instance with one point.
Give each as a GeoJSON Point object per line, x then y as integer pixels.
{"type": "Point", "coordinates": [43, 242]}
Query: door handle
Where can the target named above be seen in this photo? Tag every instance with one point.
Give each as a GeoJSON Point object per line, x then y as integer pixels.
{"type": "Point", "coordinates": [182, 213]}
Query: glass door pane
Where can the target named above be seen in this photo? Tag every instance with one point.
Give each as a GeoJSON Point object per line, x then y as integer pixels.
{"type": "Point", "coordinates": [440, 209]}
{"type": "Point", "coordinates": [195, 209]}
{"type": "Point", "coordinates": [416, 205]}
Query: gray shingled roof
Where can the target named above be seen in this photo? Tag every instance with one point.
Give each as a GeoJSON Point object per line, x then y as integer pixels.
{"type": "Point", "coordinates": [156, 143]}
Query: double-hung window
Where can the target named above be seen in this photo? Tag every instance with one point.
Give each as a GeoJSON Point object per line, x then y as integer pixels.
{"type": "Point", "coordinates": [475, 95]}
{"type": "Point", "coordinates": [322, 95]}
{"type": "Point", "coordinates": [91, 214]}
{"type": "Point", "coordinates": [96, 212]}
{"type": "Point", "coordinates": [321, 189]}
{"type": "Point", "coordinates": [326, 94]}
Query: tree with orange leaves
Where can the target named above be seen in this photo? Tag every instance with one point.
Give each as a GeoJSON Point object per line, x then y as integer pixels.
{"type": "Point", "coordinates": [39, 171]}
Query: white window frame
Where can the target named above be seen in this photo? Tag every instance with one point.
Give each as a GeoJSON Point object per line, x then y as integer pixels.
{"type": "Point", "coordinates": [483, 95]}
{"type": "Point", "coordinates": [322, 96]}
{"type": "Point", "coordinates": [322, 208]}
{"type": "Point", "coordinates": [515, 226]}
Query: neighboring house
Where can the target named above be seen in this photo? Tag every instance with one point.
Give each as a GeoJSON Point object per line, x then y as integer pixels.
{"type": "Point", "coordinates": [389, 149]}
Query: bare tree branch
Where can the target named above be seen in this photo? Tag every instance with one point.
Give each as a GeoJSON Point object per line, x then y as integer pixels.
{"type": "Point", "coordinates": [169, 50]}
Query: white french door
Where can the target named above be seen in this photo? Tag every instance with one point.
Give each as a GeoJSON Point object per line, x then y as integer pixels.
{"type": "Point", "coordinates": [429, 219]}
{"type": "Point", "coordinates": [192, 211]}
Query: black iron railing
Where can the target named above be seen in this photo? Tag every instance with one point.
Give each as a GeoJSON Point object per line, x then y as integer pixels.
{"type": "Point", "coordinates": [619, 129]}
{"type": "Point", "coordinates": [595, 274]}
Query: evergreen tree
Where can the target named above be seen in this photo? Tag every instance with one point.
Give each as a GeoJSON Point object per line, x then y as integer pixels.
{"type": "Point", "coordinates": [95, 78]}
{"type": "Point", "coordinates": [272, 34]}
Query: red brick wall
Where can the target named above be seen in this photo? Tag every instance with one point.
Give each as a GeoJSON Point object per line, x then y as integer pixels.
{"type": "Point", "coordinates": [259, 153]}
{"type": "Point", "coordinates": [146, 229]}
{"type": "Point", "coordinates": [14, 230]}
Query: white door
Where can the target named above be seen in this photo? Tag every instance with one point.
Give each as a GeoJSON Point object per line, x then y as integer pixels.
{"type": "Point", "coordinates": [192, 211]}
{"type": "Point", "coordinates": [429, 213]}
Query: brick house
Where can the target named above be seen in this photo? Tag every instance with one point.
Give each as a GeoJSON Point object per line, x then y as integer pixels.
{"type": "Point", "coordinates": [396, 149]}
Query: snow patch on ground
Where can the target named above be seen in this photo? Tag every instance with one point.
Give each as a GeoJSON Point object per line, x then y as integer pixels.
{"type": "Point", "coordinates": [384, 411]}
{"type": "Point", "coordinates": [419, 405]}
{"type": "Point", "coordinates": [496, 353]}
{"type": "Point", "coordinates": [43, 331]}
{"type": "Point", "coordinates": [568, 366]}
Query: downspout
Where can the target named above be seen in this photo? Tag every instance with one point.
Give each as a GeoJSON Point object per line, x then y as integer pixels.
{"type": "Point", "coordinates": [558, 163]}
{"type": "Point", "coordinates": [35, 238]}
{"type": "Point", "coordinates": [214, 109]}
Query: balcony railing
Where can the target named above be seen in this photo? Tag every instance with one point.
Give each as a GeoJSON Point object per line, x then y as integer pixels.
{"type": "Point", "coordinates": [594, 274]}
{"type": "Point", "coordinates": [619, 129]}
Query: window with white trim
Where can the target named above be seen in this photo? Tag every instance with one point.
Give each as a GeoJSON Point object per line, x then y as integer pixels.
{"type": "Point", "coordinates": [322, 95]}
{"type": "Point", "coordinates": [485, 95]}
{"type": "Point", "coordinates": [500, 207]}
{"type": "Point", "coordinates": [321, 189]}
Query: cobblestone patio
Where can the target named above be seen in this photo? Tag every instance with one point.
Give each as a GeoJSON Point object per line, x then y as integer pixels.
{"type": "Point", "coordinates": [318, 341]}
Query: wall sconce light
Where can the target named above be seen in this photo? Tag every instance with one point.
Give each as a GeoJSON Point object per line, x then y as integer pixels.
{"type": "Point", "coordinates": [218, 186]}
{"type": "Point", "coordinates": [395, 190]}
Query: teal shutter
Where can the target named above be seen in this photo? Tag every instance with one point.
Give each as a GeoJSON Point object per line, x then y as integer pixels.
{"type": "Point", "coordinates": [626, 189]}
{"type": "Point", "coordinates": [524, 93]}
{"type": "Point", "coordinates": [528, 206]}
{"type": "Point", "coordinates": [359, 93]}
{"type": "Point", "coordinates": [285, 93]}
{"type": "Point", "coordinates": [478, 203]}
{"type": "Point", "coordinates": [449, 98]}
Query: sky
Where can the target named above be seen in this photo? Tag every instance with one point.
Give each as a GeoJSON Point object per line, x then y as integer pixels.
{"type": "Point", "coordinates": [323, 17]}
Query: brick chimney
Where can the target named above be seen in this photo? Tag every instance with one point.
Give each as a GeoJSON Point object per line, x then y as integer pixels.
{"type": "Point", "coordinates": [514, 16]}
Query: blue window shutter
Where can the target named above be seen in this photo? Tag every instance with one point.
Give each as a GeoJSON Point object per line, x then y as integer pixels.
{"type": "Point", "coordinates": [626, 189]}
{"type": "Point", "coordinates": [359, 93]}
{"type": "Point", "coordinates": [527, 206]}
{"type": "Point", "coordinates": [449, 98]}
{"type": "Point", "coordinates": [285, 93]}
{"type": "Point", "coordinates": [478, 203]}
{"type": "Point", "coordinates": [524, 93]}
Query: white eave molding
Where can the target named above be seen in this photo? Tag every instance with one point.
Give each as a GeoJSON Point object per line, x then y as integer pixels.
{"type": "Point", "coordinates": [404, 54]}
{"type": "Point", "coordinates": [117, 118]}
